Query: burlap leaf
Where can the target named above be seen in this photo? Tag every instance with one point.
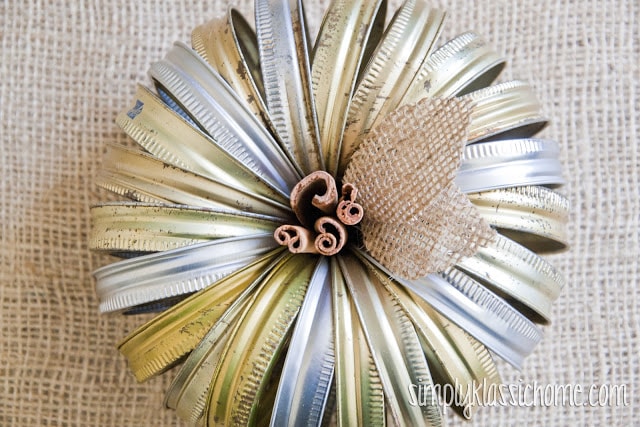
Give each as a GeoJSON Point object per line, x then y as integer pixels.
{"type": "Point", "coordinates": [416, 220]}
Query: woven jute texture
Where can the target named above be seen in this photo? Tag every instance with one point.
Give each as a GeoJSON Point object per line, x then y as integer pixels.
{"type": "Point", "coordinates": [417, 222]}
{"type": "Point", "coordinates": [68, 67]}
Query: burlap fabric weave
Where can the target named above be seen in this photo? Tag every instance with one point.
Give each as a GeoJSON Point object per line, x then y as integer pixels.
{"type": "Point", "coordinates": [417, 220]}
{"type": "Point", "coordinates": [68, 67]}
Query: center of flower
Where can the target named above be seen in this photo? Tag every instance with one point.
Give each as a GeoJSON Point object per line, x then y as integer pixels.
{"type": "Point", "coordinates": [323, 216]}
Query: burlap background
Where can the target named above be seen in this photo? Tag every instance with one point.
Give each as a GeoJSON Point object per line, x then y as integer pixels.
{"type": "Point", "coordinates": [68, 67]}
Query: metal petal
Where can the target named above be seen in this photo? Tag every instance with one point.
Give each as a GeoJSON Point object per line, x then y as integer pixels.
{"type": "Point", "coordinates": [393, 342]}
{"type": "Point", "coordinates": [176, 272]}
{"type": "Point", "coordinates": [284, 60]}
{"type": "Point", "coordinates": [305, 380]}
{"type": "Point", "coordinates": [230, 46]}
{"type": "Point", "coordinates": [222, 114]}
{"type": "Point", "coordinates": [256, 344]}
{"type": "Point", "coordinates": [526, 280]}
{"type": "Point", "coordinates": [459, 360]}
{"type": "Point", "coordinates": [189, 391]}
{"type": "Point", "coordinates": [141, 177]}
{"type": "Point", "coordinates": [407, 42]}
{"type": "Point", "coordinates": [359, 393]}
{"type": "Point", "coordinates": [510, 163]}
{"type": "Point", "coordinates": [160, 343]}
{"type": "Point", "coordinates": [166, 135]}
{"type": "Point", "coordinates": [454, 357]}
{"type": "Point", "coordinates": [462, 65]}
{"type": "Point", "coordinates": [337, 59]}
{"type": "Point", "coordinates": [535, 217]}
{"type": "Point", "coordinates": [137, 227]}
{"type": "Point", "coordinates": [505, 111]}
{"type": "Point", "coordinates": [485, 316]}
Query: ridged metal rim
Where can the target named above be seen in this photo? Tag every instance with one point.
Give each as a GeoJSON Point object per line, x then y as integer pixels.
{"type": "Point", "coordinates": [181, 271]}
{"type": "Point", "coordinates": [533, 216]}
{"type": "Point", "coordinates": [485, 316]}
{"type": "Point", "coordinates": [468, 58]}
{"type": "Point", "coordinates": [113, 229]}
{"type": "Point", "coordinates": [509, 163]}
{"type": "Point", "coordinates": [509, 108]}
{"type": "Point", "coordinates": [222, 114]}
{"type": "Point", "coordinates": [517, 272]}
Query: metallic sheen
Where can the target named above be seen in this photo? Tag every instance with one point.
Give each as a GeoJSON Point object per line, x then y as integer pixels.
{"type": "Point", "coordinates": [338, 56]}
{"type": "Point", "coordinates": [505, 111]}
{"type": "Point", "coordinates": [138, 227]}
{"type": "Point", "coordinates": [222, 114]}
{"type": "Point", "coordinates": [535, 217]}
{"type": "Point", "coordinates": [509, 163]}
{"type": "Point", "coordinates": [286, 71]}
{"type": "Point", "coordinates": [181, 271]}
{"type": "Point", "coordinates": [406, 44]}
{"type": "Point", "coordinates": [230, 46]}
{"type": "Point", "coordinates": [144, 178]}
{"type": "Point", "coordinates": [256, 344]}
{"type": "Point", "coordinates": [394, 344]}
{"type": "Point", "coordinates": [307, 374]}
{"type": "Point", "coordinates": [172, 139]}
{"type": "Point", "coordinates": [160, 343]}
{"type": "Point", "coordinates": [517, 274]}
{"type": "Point", "coordinates": [484, 315]}
{"type": "Point", "coordinates": [460, 66]}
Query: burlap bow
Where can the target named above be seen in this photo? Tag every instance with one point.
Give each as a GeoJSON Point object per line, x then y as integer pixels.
{"type": "Point", "coordinates": [416, 219]}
